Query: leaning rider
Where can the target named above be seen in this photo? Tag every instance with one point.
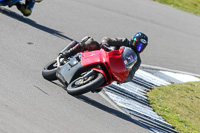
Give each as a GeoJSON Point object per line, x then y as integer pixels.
{"type": "Point", "coordinates": [138, 43]}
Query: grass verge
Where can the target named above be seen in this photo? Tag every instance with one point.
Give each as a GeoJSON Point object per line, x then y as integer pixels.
{"type": "Point", "coordinates": [192, 6]}
{"type": "Point", "coordinates": [179, 105]}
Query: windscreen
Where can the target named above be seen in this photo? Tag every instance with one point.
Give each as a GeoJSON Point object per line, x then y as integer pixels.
{"type": "Point", "coordinates": [129, 57]}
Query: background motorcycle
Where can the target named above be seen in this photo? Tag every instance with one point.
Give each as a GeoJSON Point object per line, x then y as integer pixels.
{"type": "Point", "coordinates": [8, 2]}
{"type": "Point", "coordinates": [90, 70]}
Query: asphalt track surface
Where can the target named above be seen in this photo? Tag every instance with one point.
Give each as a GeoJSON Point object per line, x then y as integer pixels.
{"type": "Point", "coordinates": [28, 103]}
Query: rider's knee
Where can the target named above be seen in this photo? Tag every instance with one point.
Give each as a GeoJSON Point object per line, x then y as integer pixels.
{"type": "Point", "coordinates": [92, 45]}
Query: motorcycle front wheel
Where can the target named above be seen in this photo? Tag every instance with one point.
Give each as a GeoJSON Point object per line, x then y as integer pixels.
{"type": "Point", "coordinates": [83, 85]}
{"type": "Point", "coordinates": [49, 71]}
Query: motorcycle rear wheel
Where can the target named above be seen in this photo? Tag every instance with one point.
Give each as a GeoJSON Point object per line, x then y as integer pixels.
{"type": "Point", "coordinates": [76, 87]}
{"type": "Point", "coordinates": [49, 71]}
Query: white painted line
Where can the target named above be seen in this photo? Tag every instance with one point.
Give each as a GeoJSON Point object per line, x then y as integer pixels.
{"type": "Point", "coordinates": [151, 78]}
{"type": "Point", "coordinates": [111, 102]}
{"type": "Point", "coordinates": [166, 69]}
{"type": "Point", "coordinates": [181, 77]}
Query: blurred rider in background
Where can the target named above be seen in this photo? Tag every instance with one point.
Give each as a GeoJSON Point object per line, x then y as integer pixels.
{"type": "Point", "coordinates": [27, 7]}
{"type": "Point", "coordinates": [138, 43]}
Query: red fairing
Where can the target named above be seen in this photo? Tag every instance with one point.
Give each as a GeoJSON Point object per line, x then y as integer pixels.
{"type": "Point", "coordinates": [112, 61]}
{"type": "Point", "coordinates": [93, 57]}
{"type": "Point", "coordinates": [117, 66]}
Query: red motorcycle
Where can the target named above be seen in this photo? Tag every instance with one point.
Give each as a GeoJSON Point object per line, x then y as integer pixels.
{"type": "Point", "coordinates": [90, 70]}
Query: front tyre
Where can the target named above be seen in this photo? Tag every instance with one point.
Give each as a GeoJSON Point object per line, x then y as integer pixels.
{"type": "Point", "coordinates": [49, 71]}
{"type": "Point", "coordinates": [83, 85]}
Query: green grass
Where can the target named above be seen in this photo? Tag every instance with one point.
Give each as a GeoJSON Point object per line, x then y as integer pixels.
{"type": "Point", "coordinates": [179, 105]}
{"type": "Point", "coordinates": [192, 6]}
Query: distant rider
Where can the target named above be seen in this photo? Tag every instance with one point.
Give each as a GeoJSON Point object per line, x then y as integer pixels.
{"type": "Point", "coordinates": [138, 43]}
{"type": "Point", "coordinates": [27, 7]}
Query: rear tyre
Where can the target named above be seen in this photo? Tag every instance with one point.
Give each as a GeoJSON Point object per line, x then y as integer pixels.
{"type": "Point", "coordinates": [81, 85]}
{"type": "Point", "coordinates": [49, 71]}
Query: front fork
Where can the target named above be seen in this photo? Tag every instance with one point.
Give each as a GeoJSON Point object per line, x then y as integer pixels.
{"type": "Point", "coordinates": [89, 74]}
{"type": "Point", "coordinates": [101, 71]}
{"type": "Point", "coordinates": [58, 60]}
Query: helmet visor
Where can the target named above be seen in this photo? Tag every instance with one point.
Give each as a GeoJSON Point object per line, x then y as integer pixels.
{"type": "Point", "coordinates": [140, 47]}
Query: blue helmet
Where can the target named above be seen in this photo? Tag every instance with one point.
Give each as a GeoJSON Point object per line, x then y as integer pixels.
{"type": "Point", "coordinates": [139, 41]}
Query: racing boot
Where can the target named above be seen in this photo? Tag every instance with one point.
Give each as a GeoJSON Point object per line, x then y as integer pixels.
{"type": "Point", "coordinates": [69, 46]}
{"type": "Point", "coordinates": [87, 44]}
{"type": "Point", "coordinates": [72, 51]}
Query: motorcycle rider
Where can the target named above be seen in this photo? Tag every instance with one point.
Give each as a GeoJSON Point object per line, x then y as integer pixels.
{"type": "Point", "coordinates": [27, 7]}
{"type": "Point", "coordinates": [138, 43]}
